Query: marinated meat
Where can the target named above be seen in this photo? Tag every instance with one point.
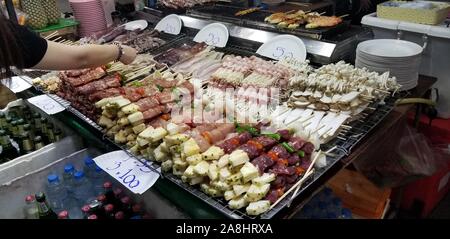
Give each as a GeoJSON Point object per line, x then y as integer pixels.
{"type": "Point", "coordinates": [280, 151]}
{"type": "Point", "coordinates": [308, 148]}
{"type": "Point", "coordinates": [296, 143]}
{"type": "Point", "coordinates": [294, 159]}
{"type": "Point", "coordinates": [251, 150]}
{"type": "Point", "coordinates": [262, 162]}
{"type": "Point", "coordinates": [267, 142]}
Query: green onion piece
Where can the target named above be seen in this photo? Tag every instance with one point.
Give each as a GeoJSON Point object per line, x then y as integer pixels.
{"type": "Point", "coordinates": [160, 88]}
{"type": "Point", "coordinates": [288, 147]}
{"type": "Point", "coordinates": [276, 137]}
{"type": "Point", "coordinates": [301, 153]}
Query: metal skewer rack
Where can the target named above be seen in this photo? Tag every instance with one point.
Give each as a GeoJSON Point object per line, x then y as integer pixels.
{"type": "Point", "coordinates": [359, 130]}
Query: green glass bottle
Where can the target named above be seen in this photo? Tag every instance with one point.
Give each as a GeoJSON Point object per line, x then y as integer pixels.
{"type": "Point", "coordinates": [8, 126]}
{"type": "Point", "coordinates": [38, 144]}
{"type": "Point", "coordinates": [44, 210]}
{"type": "Point", "coordinates": [44, 122]}
{"type": "Point", "coordinates": [58, 135]}
{"type": "Point", "coordinates": [27, 144]}
{"type": "Point", "coordinates": [8, 151]}
{"type": "Point", "coordinates": [2, 120]}
{"type": "Point", "coordinates": [37, 122]}
{"type": "Point", "coordinates": [27, 129]}
{"type": "Point", "coordinates": [50, 133]}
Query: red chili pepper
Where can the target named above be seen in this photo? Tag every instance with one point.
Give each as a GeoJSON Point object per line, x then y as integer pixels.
{"type": "Point", "coordinates": [273, 156]}
{"type": "Point", "coordinates": [283, 162]}
{"type": "Point", "coordinates": [299, 170]}
{"type": "Point", "coordinates": [280, 191]}
{"type": "Point", "coordinates": [235, 141]}
{"type": "Point", "coordinates": [207, 137]}
{"type": "Point", "coordinates": [258, 145]}
{"type": "Point", "coordinates": [165, 117]}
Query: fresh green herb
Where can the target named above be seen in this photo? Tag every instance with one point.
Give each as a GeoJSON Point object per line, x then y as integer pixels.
{"type": "Point", "coordinates": [288, 147]}
{"type": "Point", "coordinates": [247, 128]}
{"type": "Point", "coordinates": [301, 153]}
{"type": "Point", "coordinates": [274, 136]}
{"type": "Point", "coordinates": [160, 88]}
{"type": "Point", "coordinates": [137, 84]}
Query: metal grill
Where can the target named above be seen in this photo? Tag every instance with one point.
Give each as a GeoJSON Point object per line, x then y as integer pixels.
{"type": "Point", "coordinates": [257, 20]}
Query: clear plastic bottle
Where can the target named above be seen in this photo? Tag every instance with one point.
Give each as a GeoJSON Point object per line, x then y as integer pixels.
{"type": "Point", "coordinates": [82, 190]}
{"type": "Point", "coordinates": [335, 206]}
{"type": "Point", "coordinates": [346, 214]}
{"type": "Point", "coordinates": [30, 210]}
{"type": "Point", "coordinates": [56, 193]}
{"type": "Point", "coordinates": [73, 206]}
{"type": "Point", "coordinates": [89, 167]}
{"type": "Point", "coordinates": [97, 180]}
{"type": "Point", "coordinates": [68, 179]}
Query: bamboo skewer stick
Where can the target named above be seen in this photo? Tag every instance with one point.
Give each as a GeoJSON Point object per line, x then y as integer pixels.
{"type": "Point", "coordinates": [297, 187]}
{"type": "Point", "coordinates": [290, 190]}
{"type": "Point", "coordinates": [345, 15]}
{"type": "Point", "coordinates": [51, 35]}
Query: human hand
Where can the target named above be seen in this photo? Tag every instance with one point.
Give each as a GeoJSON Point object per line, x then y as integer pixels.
{"type": "Point", "coordinates": [129, 54]}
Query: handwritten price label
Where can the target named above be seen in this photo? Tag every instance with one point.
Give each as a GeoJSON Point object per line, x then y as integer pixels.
{"type": "Point", "coordinates": [282, 53]}
{"type": "Point", "coordinates": [46, 104]}
{"type": "Point", "coordinates": [214, 34]}
{"type": "Point", "coordinates": [131, 173]}
{"type": "Point", "coordinates": [16, 84]}
{"type": "Point", "coordinates": [171, 24]}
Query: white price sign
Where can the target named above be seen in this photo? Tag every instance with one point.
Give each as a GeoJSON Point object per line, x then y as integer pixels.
{"type": "Point", "coordinates": [131, 173]}
{"type": "Point", "coordinates": [46, 104]}
{"type": "Point", "coordinates": [171, 24]}
{"type": "Point", "coordinates": [16, 84]}
{"type": "Point", "coordinates": [215, 34]}
{"type": "Point", "coordinates": [282, 47]}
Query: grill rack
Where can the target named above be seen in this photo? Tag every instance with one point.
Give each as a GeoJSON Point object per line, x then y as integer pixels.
{"type": "Point", "coordinates": [358, 131]}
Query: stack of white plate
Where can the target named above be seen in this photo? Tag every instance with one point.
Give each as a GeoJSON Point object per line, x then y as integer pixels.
{"type": "Point", "coordinates": [400, 58]}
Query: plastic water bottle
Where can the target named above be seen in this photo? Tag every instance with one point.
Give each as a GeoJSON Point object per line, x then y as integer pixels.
{"type": "Point", "coordinates": [82, 188]}
{"type": "Point", "coordinates": [69, 170]}
{"type": "Point", "coordinates": [73, 206]}
{"type": "Point", "coordinates": [56, 193]}
{"type": "Point", "coordinates": [30, 209]}
{"type": "Point", "coordinates": [97, 180]}
{"type": "Point", "coordinates": [346, 214]}
{"type": "Point", "coordinates": [336, 206]}
{"type": "Point", "coordinates": [89, 167]}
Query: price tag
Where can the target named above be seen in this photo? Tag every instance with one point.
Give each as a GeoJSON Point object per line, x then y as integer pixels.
{"type": "Point", "coordinates": [283, 47]}
{"type": "Point", "coordinates": [171, 24]}
{"type": "Point", "coordinates": [16, 84]}
{"type": "Point", "coordinates": [215, 34]}
{"type": "Point", "coordinates": [131, 173]}
{"type": "Point", "coordinates": [46, 104]}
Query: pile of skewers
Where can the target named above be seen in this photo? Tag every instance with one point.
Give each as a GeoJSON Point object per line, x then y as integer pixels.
{"type": "Point", "coordinates": [293, 20]}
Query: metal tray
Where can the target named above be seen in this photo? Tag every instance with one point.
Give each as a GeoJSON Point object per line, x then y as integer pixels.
{"type": "Point", "coordinates": [359, 130]}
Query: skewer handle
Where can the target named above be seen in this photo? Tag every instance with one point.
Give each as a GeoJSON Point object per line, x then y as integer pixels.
{"type": "Point", "coordinates": [290, 190]}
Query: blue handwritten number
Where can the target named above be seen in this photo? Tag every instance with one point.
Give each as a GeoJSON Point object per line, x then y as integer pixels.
{"type": "Point", "coordinates": [213, 39]}
{"type": "Point", "coordinates": [118, 164]}
{"type": "Point", "coordinates": [279, 52]}
{"type": "Point", "coordinates": [126, 180]}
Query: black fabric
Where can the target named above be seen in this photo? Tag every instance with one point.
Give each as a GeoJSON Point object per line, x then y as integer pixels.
{"type": "Point", "coordinates": [31, 46]}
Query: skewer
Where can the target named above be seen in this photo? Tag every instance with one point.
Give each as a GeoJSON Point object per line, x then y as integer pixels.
{"type": "Point", "coordinates": [290, 190]}
{"type": "Point", "coordinates": [341, 138]}
{"type": "Point", "coordinates": [322, 13]}
{"type": "Point", "coordinates": [331, 150]}
{"type": "Point", "coordinates": [306, 118]}
{"type": "Point", "coordinates": [346, 126]}
{"type": "Point", "coordinates": [317, 130]}
{"type": "Point", "coordinates": [345, 15]}
{"type": "Point", "coordinates": [56, 39]}
{"type": "Point", "coordinates": [297, 187]}
{"type": "Point", "coordinates": [51, 35]}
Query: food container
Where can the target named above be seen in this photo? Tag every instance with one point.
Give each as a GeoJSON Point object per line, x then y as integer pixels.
{"type": "Point", "coordinates": [422, 12]}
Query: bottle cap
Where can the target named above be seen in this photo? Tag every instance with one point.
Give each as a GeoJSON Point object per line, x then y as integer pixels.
{"type": "Point", "coordinates": [40, 197]}
{"type": "Point", "coordinates": [79, 175]}
{"type": "Point", "coordinates": [109, 208]}
{"type": "Point", "coordinates": [118, 192]}
{"type": "Point", "coordinates": [101, 198]}
{"type": "Point", "coordinates": [93, 217]}
{"type": "Point", "coordinates": [85, 208]}
{"type": "Point", "coordinates": [126, 200]}
{"type": "Point", "coordinates": [137, 208]}
{"type": "Point", "coordinates": [68, 168]}
{"type": "Point", "coordinates": [119, 215]}
{"type": "Point", "coordinates": [52, 178]}
{"type": "Point", "coordinates": [88, 161]}
{"type": "Point", "coordinates": [63, 215]}
{"type": "Point", "coordinates": [29, 198]}
{"type": "Point", "coordinates": [107, 185]}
